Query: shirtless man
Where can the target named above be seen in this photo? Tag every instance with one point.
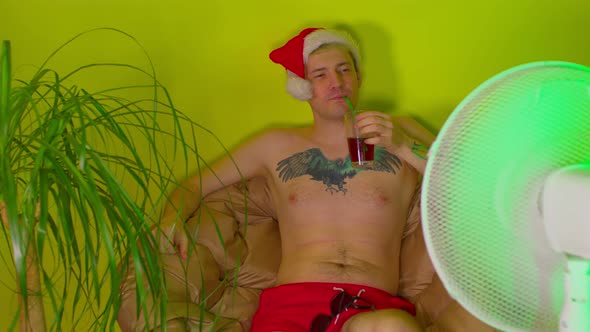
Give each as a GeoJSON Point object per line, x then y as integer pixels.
{"type": "Point", "coordinates": [340, 227]}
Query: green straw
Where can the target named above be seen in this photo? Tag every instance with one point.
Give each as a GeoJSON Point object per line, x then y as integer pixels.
{"type": "Point", "coordinates": [365, 148]}
{"type": "Point", "coordinates": [351, 107]}
{"type": "Point", "coordinates": [353, 114]}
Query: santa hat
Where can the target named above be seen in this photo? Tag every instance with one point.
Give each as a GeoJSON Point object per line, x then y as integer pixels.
{"type": "Point", "coordinates": [293, 56]}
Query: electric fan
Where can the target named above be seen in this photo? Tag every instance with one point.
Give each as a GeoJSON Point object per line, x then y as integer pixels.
{"type": "Point", "coordinates": [506, 199]}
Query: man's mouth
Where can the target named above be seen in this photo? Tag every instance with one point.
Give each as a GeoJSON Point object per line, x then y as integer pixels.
{"type": "Point", "coordinates": [338, 97]}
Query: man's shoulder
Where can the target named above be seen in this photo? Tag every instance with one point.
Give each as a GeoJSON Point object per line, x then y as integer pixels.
{"type": "Point", "coordinates": [271, 144]}
{"type": "Point", "coordinates": [290, 130]}
{"type": "Point", "coordinates": [287, 135]}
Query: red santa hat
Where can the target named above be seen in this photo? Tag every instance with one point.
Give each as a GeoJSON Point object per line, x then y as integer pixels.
{"type": "Point", "coordinates": [293, 56]}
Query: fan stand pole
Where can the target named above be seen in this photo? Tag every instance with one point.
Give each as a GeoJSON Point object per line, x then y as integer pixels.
{"type": "Point", "coordinates": [575, 316]}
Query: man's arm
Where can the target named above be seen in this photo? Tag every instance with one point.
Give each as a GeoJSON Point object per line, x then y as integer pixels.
{"type": "Point", "coordinates": [415, 142]}
{"type": "Point", "coordinates": [245, 162]}
{"type": "Point", "coordinates": [402, 136]}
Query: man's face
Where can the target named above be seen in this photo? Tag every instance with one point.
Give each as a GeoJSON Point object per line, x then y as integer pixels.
{"type": "Point", "coordinates": [332, 74]}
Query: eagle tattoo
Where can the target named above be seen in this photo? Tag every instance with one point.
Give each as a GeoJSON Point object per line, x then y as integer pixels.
{"type": "Point", "coordinates": [332, 173]}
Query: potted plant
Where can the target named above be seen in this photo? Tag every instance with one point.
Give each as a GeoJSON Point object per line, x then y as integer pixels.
{"type": "Point", "coordinates": [82, 177]}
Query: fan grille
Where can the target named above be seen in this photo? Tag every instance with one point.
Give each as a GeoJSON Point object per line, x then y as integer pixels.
{"type": "Point", "coordinates": [482, 220]}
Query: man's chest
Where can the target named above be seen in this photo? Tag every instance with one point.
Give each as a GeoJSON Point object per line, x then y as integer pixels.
{"type": "Point", "coordinates": [309, 177]}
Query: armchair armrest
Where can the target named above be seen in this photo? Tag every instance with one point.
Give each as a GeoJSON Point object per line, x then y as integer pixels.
{"type": "Point", "coordinates": [236, 253]}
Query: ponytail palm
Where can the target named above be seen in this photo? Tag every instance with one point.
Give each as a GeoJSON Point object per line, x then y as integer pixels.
{"type": "Point", "coordinates": [82, 177]}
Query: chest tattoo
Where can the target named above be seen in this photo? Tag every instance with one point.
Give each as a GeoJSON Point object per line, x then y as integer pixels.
{"type": "Point", "coordinates": [332, 173]}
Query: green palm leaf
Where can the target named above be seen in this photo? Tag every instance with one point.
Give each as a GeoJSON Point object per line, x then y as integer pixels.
{"type": "Point", "coordinates": [83, 176]}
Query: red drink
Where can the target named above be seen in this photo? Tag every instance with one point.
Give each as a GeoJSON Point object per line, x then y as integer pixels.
{"type": "Point", "coordinates": [361, 153]}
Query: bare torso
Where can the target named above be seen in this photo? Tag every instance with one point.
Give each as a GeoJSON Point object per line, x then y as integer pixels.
{"type": "Point", "coordinates": [335, 227]}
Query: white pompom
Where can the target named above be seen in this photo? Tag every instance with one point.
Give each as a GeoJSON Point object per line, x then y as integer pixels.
{"type": "Point", "coordinates": [298, 87]}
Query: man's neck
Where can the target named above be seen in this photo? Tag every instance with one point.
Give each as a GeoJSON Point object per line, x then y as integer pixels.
{"type": "Point", "coordinates": [329, 131]}
{"type": "Point", "coordinates": [330, 136]}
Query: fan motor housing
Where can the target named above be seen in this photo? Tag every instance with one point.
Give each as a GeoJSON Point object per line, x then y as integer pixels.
{"type": "Point", "coordinates": [566, 210]}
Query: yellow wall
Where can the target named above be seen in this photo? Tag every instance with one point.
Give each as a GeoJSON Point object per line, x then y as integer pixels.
{"type": "Point", "coordinates": [422, 57]}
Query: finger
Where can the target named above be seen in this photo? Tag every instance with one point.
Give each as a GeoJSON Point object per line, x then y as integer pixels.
{"type": "Point", "coordinates": [374, 121]}
{"type": "Point", "coordinates": [375, 130]}
{"type": "Point", "coordinates": [367, 114]}
{"type": "Point", "coordinates": [164, 238]}
{"type": "Point", "coordinates": [166, 245]}
{"type": "Point", "coordinates": [376, 140]}
{"type": "Point", "coordinates": [182, 245]}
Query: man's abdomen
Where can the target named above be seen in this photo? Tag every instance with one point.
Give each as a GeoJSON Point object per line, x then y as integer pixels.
{"type": "Point", "coordinates": [356, 263]}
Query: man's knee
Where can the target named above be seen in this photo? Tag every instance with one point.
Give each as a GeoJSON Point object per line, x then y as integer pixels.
{"type": "Point", "coordinates": [382, 321]}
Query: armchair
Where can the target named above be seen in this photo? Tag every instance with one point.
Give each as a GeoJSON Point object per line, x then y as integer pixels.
{"type": "Point", "coordinates": [237, 255]}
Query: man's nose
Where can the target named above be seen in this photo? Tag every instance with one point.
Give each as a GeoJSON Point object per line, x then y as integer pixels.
{"type": "Point", "coordinates": [336, 80]}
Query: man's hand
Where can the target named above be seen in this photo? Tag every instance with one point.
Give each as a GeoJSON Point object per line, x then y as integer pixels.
{"type": "Point", "coordinates": [172, 237]}
{"type": "Point", "coordinates": [380, 130]}
{"type": "Point", "coordinates": [402, 136]}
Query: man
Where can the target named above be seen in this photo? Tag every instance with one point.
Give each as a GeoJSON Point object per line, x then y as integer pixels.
{"type": "Point", "coordinates": [340, 227]}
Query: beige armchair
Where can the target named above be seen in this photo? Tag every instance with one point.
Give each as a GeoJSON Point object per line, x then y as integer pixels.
{"type": "Point", "coordinates": [228, 276]}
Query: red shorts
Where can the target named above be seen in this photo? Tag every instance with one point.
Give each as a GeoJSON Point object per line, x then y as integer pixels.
{"type": "Point", "coordinates": [292, 307]}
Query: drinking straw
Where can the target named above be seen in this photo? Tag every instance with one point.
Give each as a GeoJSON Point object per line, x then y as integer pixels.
{"type": "Point", "coordinates": [364, 146]}
{"type": "Point", "coordinates": [351, 107]}
{"type": "Point", "coordinates": [353, 114]}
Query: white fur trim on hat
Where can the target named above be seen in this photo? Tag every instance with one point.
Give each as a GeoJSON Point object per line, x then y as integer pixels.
{"type": "Point", "coordinates": [298, 87]}
{"type": "Point", "coordinates": [301, 88]}
{"type": "Point", "coordinates": [324, 36]}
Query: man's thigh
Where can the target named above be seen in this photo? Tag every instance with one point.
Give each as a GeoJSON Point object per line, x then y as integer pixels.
{"type": "Point", "coordinates": [384, 320]}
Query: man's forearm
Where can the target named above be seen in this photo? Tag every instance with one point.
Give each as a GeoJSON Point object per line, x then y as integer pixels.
{"type": "Point", "coordinates": [415, 153]}
{"type": "Point", "coordinates": [182, 203]}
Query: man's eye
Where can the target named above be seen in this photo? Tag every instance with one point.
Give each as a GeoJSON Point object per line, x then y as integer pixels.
{"type": "Point", "coordinates": [319, 76]}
